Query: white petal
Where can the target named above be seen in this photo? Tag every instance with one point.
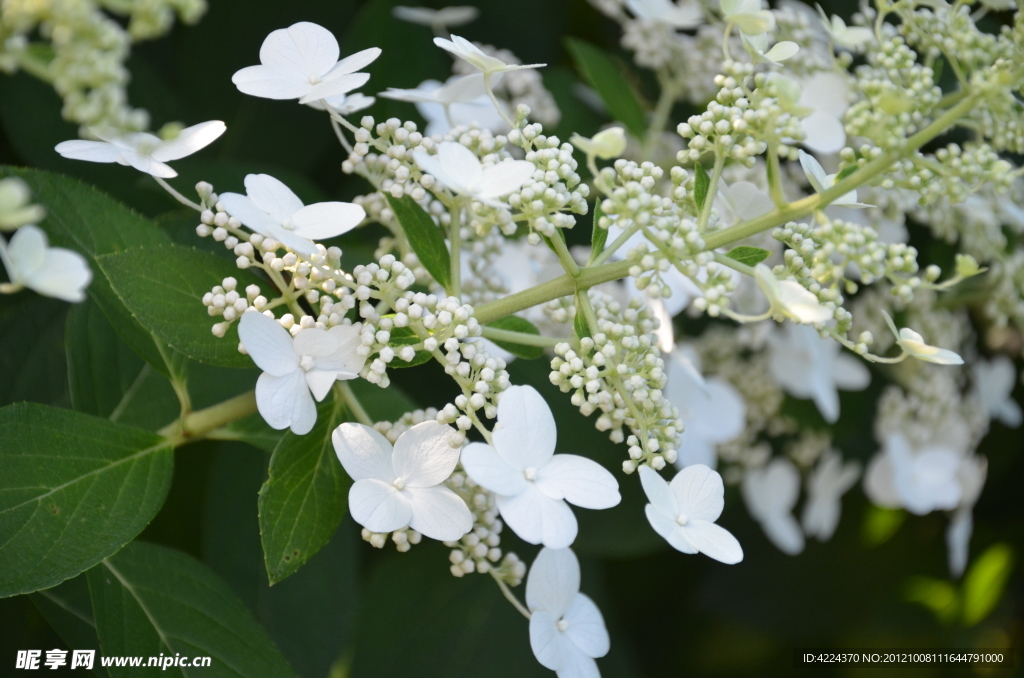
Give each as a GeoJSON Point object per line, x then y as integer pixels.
{"type": "Point", "coordinates": [423, 457]}
{"type": "Point", "coordinates": [304, 47]}
{"type": "Point", "coordinates": [538, 519]}
{"type": "Point", "coordinates": [363, 452]}
{"type": "Point", "coordinates": [342, 84]}
{"type": "Point", "coordinates": [486, 467]}
{"type": "Point", "coordinates": [345, 362]}
{"type": "Point", "coordinates": [546, 641]}
{"type": "Point", "coordinates": [694, 450]}
{"type": "Point", "coordinates": [781, 51]}
{"type": "Point", "coordinates": [659, 494]}
{"type": "Point", "coordinates": [64, 275]}
{"type": "Point", "coordinates": [460, 164]}
{"type": "Point", "coordinates": [246, 211]}
{"type": "Point", "coordinates": [327, 219]}
{"type": "Point", "coordinates": [879, 485]}
{"type": "Point", "coordinates": [271, 82]}
{"type": "Point", "coordinates": [670, 530]}
{"type": "Point", "coordinates": [958, 541]}
{"type": "Point", "coordinates": [91, 151]}
{"type": "Point", "coordinates": [813, 170]}
{"type": "Point", "coordinates": [268, 344]}
{"type": "Point", "coordinates": [148, 165]}
{"type": "Point", "coordinates": [354, 62]}
{"type": "Point", "coordinates": [272, 196]}
{"type": "Point", "coordinates": [27, 252]}
{"type": "Point", "coordinates": [189, 140]}
{"type": "Point", "coordinates": [700, 494]}
{"type": "Point", "coordinates": [464, 88]}
{"type": "Point", "coordinates": [825, 395]}
{"type": "Point", "coordinates": [553, 582]}
{"type": "Point", "coordinates": [439, 513]}
{"type": "Point", "coordinates": [431, 164]}
{"type": "Point", "coordinates": [579, 481]}
{"type": "Point", "coordinates": [314, 342]}
{"type": "Point", "coordinates": [1010, 414]}
{"type": "Point", "coordinates": [850, 374]}
{"type": "Point", "coordinates": [292, 240]}
{"type": "Point", "coordinates": [754, 23]}
{"type": "Point", "coordinates": [577, 664]}
{"type": "Point", "coordinates": [586, 627]}
{"type": "Point", "coordinates": [783, 531]}
{"type": "Point", "coordinates": [748, 200]}
{"type": "Point", "coordinates": [527, 435]}
{"type": "Point", "coordinates": [320, 383]}
{"type": "Point", "coordinates": [800, 304]}
{"type": "Point", "coordinates": [726, 415]}
{"type": "Point", "coordinates": [285, 402]}
{"type": "Point", "coordinates": [713, 541]}
{"type": "Point", "coordinates": [505, 177]}
{"type": "Point", "coordinates": [378, 506]}
{"type": "Point", "coordinates": [823, 133]}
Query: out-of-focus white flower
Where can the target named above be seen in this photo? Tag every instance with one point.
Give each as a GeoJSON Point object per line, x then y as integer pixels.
{"type": "Point", "coordinates": [821, 182]}
{"type": "Point", "coordinates": [16, 208]}
{"type": "Point", "coordinates": [712, 410]}
{"type": "Point", "coordinates": [459, 88]}
{"type": "Point", "coordinates": [437, 19]}
{"type": "Point", "coordinates": [920, 481]}
{"type": "Point", "coordinates": [50, 271]}
{"type": "Point", "coordinates": [827, 95]}
{"type": "Point", "coordinates": [531, 482]}
{"type": "Point", "coordinates": [972, 474]}
{"type": "Point", "coordinates": [740, 201]}
{"type": "Point", "coordinates": [271, 209]}
{"type": "Point", "coordinates": [567, 630]}
{"type": "Point", "coordinates": [913, 345]}
{"type": "Point", "coordinates": [473, 55]}
{"type": "Point", "coordinates": [606, 144]}
{"type": "Point", "coordinates": [345, 104]}
{"type": "Point", "coordinates": [807, 366]}
{"type": "Point", "coordinates": [460, 101]}
{"type": "Point", "coordinates": [848, 37]}
{"type": "Point", "coordinates": [748, 16]}
{"type": "Point", "coordinates": [145, 152]}
{"type": "Point", "coordinates": [458, 169]}
{"type": "Point", "coordinates": [403, 486]}
{"type": "Point", "coordinates": [993, 381]}
{"type": "Point", "coordinates": [789, 299]}
{"type": "Point", "coordinates": [757, 47]}
{"type": "Point", "coordinates": [684, 14]}
{"type": "Point", "coordinates": [826, 485]}
{"type": "Point", "coordinates": [296, 370]}
{"type": "Point", "coordinates": [684, 512]}
{"type": "Point", "coordinates": [770, 494]}
{"type": "Point", "coordinates": [301, 62]}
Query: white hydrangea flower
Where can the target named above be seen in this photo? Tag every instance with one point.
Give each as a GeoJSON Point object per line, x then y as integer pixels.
{"type": "Point", "coordinates": [821, 182]}
{"type": "Point", "coordinates": [473, 55]}
{"type": "Point", "coordinates": [807, 366]}
{"type": "Point", "coordinates": [827, 95]}
{"type": "Point", "coordinates": [296, 370]}
{"type": "Point", "coordinates": [345, 104]}
{"type": "Point", "coordinates": [437, 19]}
{"type": "Point", "coordinates": [458, 89]}
{"type": "Point", "coordinates": [50, 271]}
{"type": "Point", "coordinates": [458, 169]}
{"type": "Point", "coordinates": [993, 382]}
{"type": "Point", "coordinates": [271, 209]}
{"type": "Point", "coordinates": [770, 494]}
{"type": "Point", "coordinates": [972, 474]}
{"type": "Point", "coordinates": [403, 486]}
{"type": "Point", "coordinates": [741, 201]}
{"type": "Point", "coordinates": [684, 14]}
{"type": "Point", "coordinates": [826, 485]}
{"type": "Point", "coordinates": [789, 299]}
{"type": "Point", "coordinates": [461, 100]}
{"type": "Point", "coordinates": [712, 410]}
{"type": "Point", "coordinates": [607, 144]}
{"type": "Point", "coordinates": [748, 16]}
{"type": "Point", "coordinates": [531, 482]}
{"type": "Point", "coordinates": [920, 481]}
{"type": "Point", "coordinates": [757, 46]}
{"type": "Point", "coordinates": [847, 37]}
{"type": "Point", "coordinates": [145, 152]}
{"type": "Point", "coordinates": [301, 62]}
{"type": "Point", "coordinates": [913, 344]}
{"type": "Point", "coordinates": [567, 631]}
{"type": "Point", "coordinates": [684, 512]}
{"type": "Point", "coordinates": [16, 208]}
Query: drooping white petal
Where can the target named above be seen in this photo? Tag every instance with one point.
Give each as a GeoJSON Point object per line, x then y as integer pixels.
{"type": "Point", "coordinates": [189, 140]}
{"type": "Point", "coordinates": [271, 82]}
{"type": "Point", "coordinates": [770, 494]}
{"type": "Point", "coordinates": [713, 541]}
{"type": "Point", "coordinates": [538, 519]}
{"type": "Point", "coordinates": [320, 382]}
{"type": "Point", "coordinates": [363, 452]}
{"type": "Point", "coordinates": [285, 402]}
{"type": "Point", "coordinates": [327, 219]}
{"type": "Point", "coordinates": [246, 211]}
{"type": "Point", "coordinates": [579, 481]}
{"type": "Point", "coordinates": [700, 494]}
{"type": "Point", "coordinates": [91, 151]}
{"type": "Point", "coordinates": [814, 171]}
{"type": "Point", "coordinates": [378, 506]}
{"type": "Point", "coordinates": [527, 435]}
{"type": "Point", "coordinates": [586, 627]}
{"type": "Point", "coordinates": [272, 197]}
{"type": "Point", "coordinates": [486, 467]}
{"type": "Point", "coordinates": [303, 47]}
{"type": "Point", "coordinates": [546, 641]}
{"type": "Point", "coordinates": [659, 494]}
{"type": "Point", "coordinates": [337, 85]}
{"type": "Point", "coordinates": [438, 513]}
{"type": "Point", "coordinates": [783, 531]}
{"type": "Point", "coordinates": [423, 457]}
{"type": "Point", "coordinates": [505, 177]}
{"type": "Point", "coordinates": [553, 582]}
{"type": "Point", "coordinates": [268, 344]}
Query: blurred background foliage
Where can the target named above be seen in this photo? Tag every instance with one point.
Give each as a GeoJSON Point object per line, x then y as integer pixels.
{"type": "Point", "coordinates": [355, 611]}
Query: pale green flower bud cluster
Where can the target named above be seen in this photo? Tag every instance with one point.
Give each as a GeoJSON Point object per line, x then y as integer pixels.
{"type": "Point", "coordinates": [479, 549]}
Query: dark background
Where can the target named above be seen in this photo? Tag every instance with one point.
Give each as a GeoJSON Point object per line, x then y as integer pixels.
{"type": "Point", "coordinates": [379, 613]}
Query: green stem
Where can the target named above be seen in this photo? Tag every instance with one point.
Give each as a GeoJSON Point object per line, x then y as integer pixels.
{"type": "Point", "coordinates": [344, 392]}
{"type": "Point", "coordinates": [775, 176]}
{"type": "Point", "coordinates": [455, 236]}
{"type": "Point", "coordinates": [509, 596]}
{"type": "Point", "coordinates": [178, 196]}
{"type": "Point", "coordinates": [568, 263]}
{"type": "Point", "coordinates": [616, 244]}
{"type": "Point", "coordinates": [196, 425]}
{"type": "Point", "coordinates": [523, 338]}
{"type": "Point", "coordinates": [709, 198]}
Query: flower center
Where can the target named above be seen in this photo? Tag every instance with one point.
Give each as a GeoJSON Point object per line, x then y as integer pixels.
{"type": "Point", "coordinates": [530, 473]}
{"type": "Point", "coordinates": [682, 519]}
{"type": "Point", "coordinates": [562, 625]}
{"type": "Point", "coordinates": [288, 225]}
{"type": "Point", "coordinates": [399, 483]}
{"type": "Point", "coordinates": [314, 79]}
{"type": "Point", "coordinates": [306, 363]}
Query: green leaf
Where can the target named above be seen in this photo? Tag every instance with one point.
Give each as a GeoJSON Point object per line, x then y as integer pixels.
{"type": "Point", "coordinates": [304, 497]}
{"type": "Point", "coordinates": [74, 490]}
{"type": "Point", "coordinates": [750, 256]}
{"type": "Point", "coordinates": [425, 238]}
{"type": "Point", "coordinates": [514, 323]}
{"type": "Point", "coordinates": [604, 74]}
{"type": "Point", "coordinates": [701, 182]}
{"type": "Point", "coordinates": [937, 595]}
{"type": "Point", "coordinates": [252, 430]}
{"type": "Point", "coordinates": [32, 350]}
{"type": "Point", "coordinates": [163, 286]}
{"type": "Point", "coordinates": [845, 172]}
{"type": "Point", "coordinates": [880, 525]}
{"type": "Point", "coordinates": [83, 219]}
{"type": "Point", "coordinates": [404, 336]}
{"type": "Point", "coordinates": [150, 600]}
{"type": "Point", "coordinates": [68, 610]}
{"type": "Point", "coordinates": [599, 236]}
{"type": "Point", "coordinates": [382, 404]}
{"type": "Point", "coordinates": [985, 583]}
{"type": "Point", "coordinates": [309, 616]}
{"type": "Point", "coordinates": [579, 325]}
